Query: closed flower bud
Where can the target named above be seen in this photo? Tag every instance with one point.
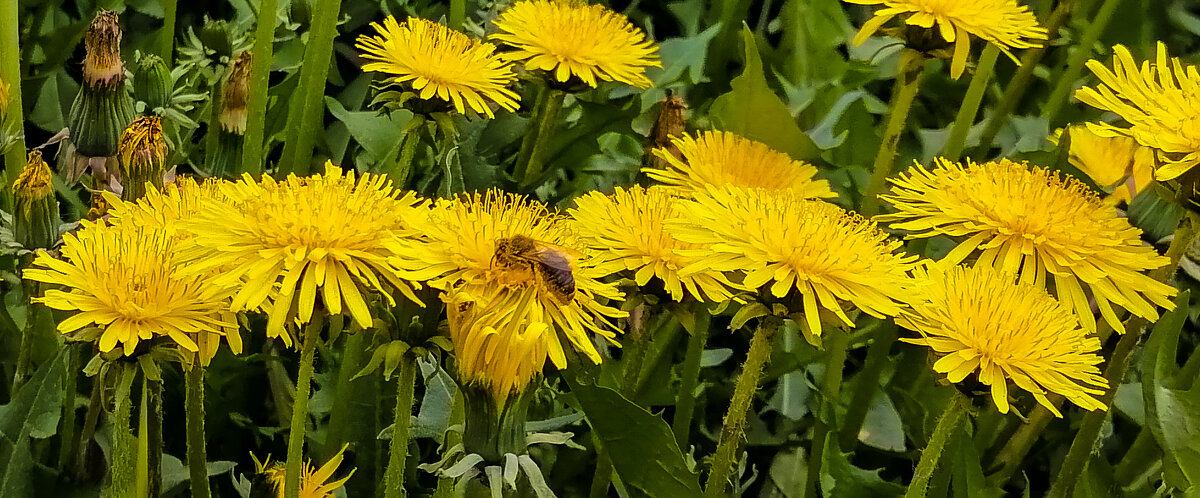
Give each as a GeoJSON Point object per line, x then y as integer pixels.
{"type": "Point", "coordinates": [102, 107]}
{"type": "Point", "coordinates": [143, 156]}
{"type": "Point", "coordinates": [669, 124]}
{"type": "Point", "coordinates": [35, 217]}
{"type": "Point", "coordinates": [152, 82]}
{"type": "Point", "coordinates": [218, 36]}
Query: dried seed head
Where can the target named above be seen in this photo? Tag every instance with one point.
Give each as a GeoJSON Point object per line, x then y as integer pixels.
{"type": "Point", "coordinates": [103, 65]}
{"type": "Point", "coordinates": [35, 219]}
{"type": "Point", "coordinates": [143, 154]}
{"type": "Point", "coordinates": [234, 94]}
{"type": "Point", "coordinates": [669, 124]}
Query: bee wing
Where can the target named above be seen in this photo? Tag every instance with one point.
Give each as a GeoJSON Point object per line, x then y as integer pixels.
{"type": "Point", "coordinates": [555, 260]}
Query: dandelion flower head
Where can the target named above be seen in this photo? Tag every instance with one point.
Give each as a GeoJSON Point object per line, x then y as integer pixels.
{"type": "Point", "coordinates": [1117, 164]}
{"type": "Point", "coordinates": [314, 482]}
{"type": "Point", "coordinates": [722, 158]}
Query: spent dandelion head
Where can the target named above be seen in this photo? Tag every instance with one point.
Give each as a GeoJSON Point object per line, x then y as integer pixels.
{"type": "Point", "coordinates": [314, 482]}
{"type": "Point", "coordinates": [235, 91]}
{"type": "Point", "coordinates": [284, 242]}
{"type": "Point", "coordinates": [1003, 23]}
{"type": "Point", "coordinates": [1117, 164]}
{"type": "Point", "coordinates": [573, 41]}
{"type": "Point", "coordinates": [720, 158]}
{"type": "Point", "coordinates": [439, 64]}
{"type": "Point", "coordinates": [35, 213]}
{"type": "Point", "coordinates": [102, 66]}
{"type": "Point", "coordinates": [125, 284]}
{"type": "Point", "coordinates": [626, 231]}
{"type": "Point", "coordinates": [1159, 99]}
{"type": "Point", "coordinates": [816, 253]}
{"type": "Point", "coordinates": [1025, 219]}
{"type": "Point", "coordinates": [142, 155]}
{"type": "Point", "coordinates": [985, 322]}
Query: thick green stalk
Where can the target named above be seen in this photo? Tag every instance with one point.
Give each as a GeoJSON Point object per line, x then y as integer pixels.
{"type": "Point", "coordinates": [154, 437]}
{"type": "Point", "coordinates": [866, 384]}
{"type": "Point", "coordinates": [908, 81]}
{"type": "Point", "coordinates": [685, 401]}
{"type": "Point", "coordinates": [1012, 454]}
{"type": "Point", "coordinates": [309, 105]}
{"type": "Point", "coordinates": [122, 481]}
{"type": "Point", "coordinates": [69, 443]}
{"type": "Point", "coordinates": [10, 74]}
{"type": "Point", "coordinates": [342, 412]}
{"type": "Point", "coordinates": [256, 103]}
{"type": "Point", "coordinates": [532, 156]}
{"type": "Point", "coordinates": [143, 442]}
{"type": "Point", "coordinates": [295, 452]}
{"type": "Point", "coordinates": [457, 14]}
{"type": "Point", "coordinates": [166, 40]}
{"type": "Point", "coordinates": [836, 342]}
{"type": "Point", "coordinates": [1075, 62]}
{"type": "Point", "coordinates": [398, 449]}
{"type": "Point", "coordinates": [196, 458]}
{"type": "Point", "coordinates": [734, 427]}
{"type": "Point", "coordinates": [970, 104]}
{"type": "Point", "coordinates": [947, 422]}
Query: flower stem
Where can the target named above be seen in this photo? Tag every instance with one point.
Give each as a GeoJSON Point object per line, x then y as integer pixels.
{"type": "Point", "coordinates": [305, 117]}
{"type": "Point", "coordinates": [1089, 431]}
{"type": "Point", "coordinates": [458, 12]}
{"type": "Point", "coordinates": [685, 401]}
{"type": "Point", "coordinates": [124, 461]}
{"type": "Point", "coordinates": [532, 156]}
{"type": "Point", "coordinates": [153, 399]}
{"type": "Point", "coordinates": [69, 443]}
{"type": "Point", "coordinates": [295, 451]}
{"type": "Point", "coordinates": [908, 81]}
{"type": "Point", "coordinates": [10, 74]}
{"type": "Point", "coordinates": [836, 345]}
{"type": "Point", "coordinates": [166, 40]}
{"type": "Point", "coordinates": [867, 384]}
{"type": "Point", "coordinates": [735, 419]}
{"type": "Point", "coordinates": [398, 449]}
{"type": "Point", "coordinates": [256, 103]}
{"type": "Point", "coordinates": [1075, 62]}
{"type": "Point", "coordinates": [342, 411]}
{"type": "Point", "coordinates": [947, 422]}
{"type": "Point", "coordinates": [196, 458]}
{"type": "Point", "coordinates": [970, 105]}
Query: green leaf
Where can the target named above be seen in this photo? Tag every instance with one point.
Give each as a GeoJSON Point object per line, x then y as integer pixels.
{"type": "Point", "coordinates": [966, 472]}
{"type": "Point", "coordinates": [378, 135]}
{"type": "Point", "coordinates": [642, 447]}
{"type": "Point", "coordinates": [840, 478]}
{"type": "Point", "coordinates": [434, 415]}
{"type": "Point", "coordinates": [1172, 415]}
{"type": "Point", "coordinates": [753, 110]}
{"type": "Point", "coordinates": [33, 412]}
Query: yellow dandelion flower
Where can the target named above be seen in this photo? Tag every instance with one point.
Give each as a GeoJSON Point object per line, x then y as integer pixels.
{"type": "Point", "coordinates": [626, 232]}
{"type": "Point", "coordinates": [1117, 164]}
{"type": "Point", "coordinates": [127, 281]}
{"type": "Point", "coordinates": [788, 245]}
{"type": "Point", "coordinates": [492, 349]}
{"type": "Point", "coordinates": [1159, 99]}
{"type": "Point", "coordinates": [469, 243]}
{"type": "Point", "coordinates": [164, 209]}
{"type": "Point", "coordinates": [1029, 220]}
{"type": "Point", "coordinates": [314, 482]}
{"type": "Point", "coordinates": [1003, 23]}
{"type": "Point", "coordinates": [572, 39]}
{"type": "Point", "coordinates": [438, 62]}
{"type": "Point", "coordinates": [979, 320]}
{"type": "Point", "coordinates": [720, 158]}
{"type": "Point", "coordinates": [283, 241]}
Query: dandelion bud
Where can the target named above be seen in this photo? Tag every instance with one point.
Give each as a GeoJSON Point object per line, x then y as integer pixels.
{"type": "Point", "coordinates": [143, 156]}
{"type": "Point", "coordinates": [152, 82]}
{"type": "Point", "coordinates": [102, 107]}
{"type": "Point", "coordinates": [35, 217]}
{"type": "Point", "coordinates": [669, 124]}
{"type": "Point", "coordinates": [223, 160]}
{"type": "Point", "coordinates": [218, 36]}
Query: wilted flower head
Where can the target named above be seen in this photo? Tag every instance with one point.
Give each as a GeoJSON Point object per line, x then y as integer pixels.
{"type": "Point", "coordinates": [1159, 99]}
{"type": "Point", "coordinates": [281, 243]}
{"type": "Point", "coordinates": [1028, 220]}
{"type": "Point", "coordinates": [979, 320]}
{"type": "Point", "coordinates": [720, 158]}
{"type": "Point", "coordinates": [438, 63]}
{"type": "Point", "coordinates": [34, 182]}
{"type": "Point", "coordinates": [789, 247]}
{"type": "Point", "coordinates": [103, 65]}
{"type": "Point", "coordinates": [142, 155]}
{"type": "Point", "coordinates": [1117, 164]}
{"type": "Point", "coordinates": [314, 482]}
{"type": "Point", "coordinates": [125, 284]}
{"type": "Point", "coordinates": [234, 92]}
{"type": "Point", "coordinates": [1003, 23]}
{"type": "Point", "coordinates": [626, 231]}
{"type": "Point", "coordinates": [35, 217]}
{"type": "Point", "coordinates": [574, 40]}
{"type": "Point", "coordinates": [668, 125]}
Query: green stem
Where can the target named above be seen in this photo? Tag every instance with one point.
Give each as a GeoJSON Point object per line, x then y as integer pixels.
{"type": "Point", "coordinates": [90, 419]}
{"type": "Point", "coordinates": [143, 441]}
{"type": "Point", "coordinates": [1015, 90]}
{"type": "Point", "coordinates": [908, 81]}
{"type": "Point", "coordinates": [196, 458]}
{"type": "Point", "coordinates": [344, 396]}
{"type": "Point", "coordinates": [124, 445]}
{"type": "Point", "coordinates": [947, 422]}
{"type": "Point", "coordinates": [1142, 455]}
{"type": "Point", "coordinates": [256, 102]}
{"type": "Point", "coordinates": [458, 13]}
{"type": "Point", "coordinates": [1088, 435]}
{"type": "Point", "coordinates": [295, 451]}
{"type": "Point", "coordinates": [836, 345]}
{"type": "Point", "coordinates": [1012, 454]}
{"type": "Point", "coordinates": [398, 449]}
{"type": "Point", "coordinates": [685, 401]}
{"type": "Point", "coordinates": [69, 443]}
{"type": "Point", "coordinates": [309, 105]}
{"type": "Point", "coordinates": [795, 39]}
{"type": "Point", "coordinates": [10, 74]}
{"type": "Point", "coordinates": [532, 156]}
{"type": "Point", "coordinates": [735, 419]}
{"type": "Point", "coordinates": [866, 384]}
{"type": "Point", "coordinates": [970, 105]}
{"type": "Point", "coordinates": [166, 40]}
{"type": "Point", "coordinates": [1075, 62]}
{"type": "Point", "coordinates": [154, 437]}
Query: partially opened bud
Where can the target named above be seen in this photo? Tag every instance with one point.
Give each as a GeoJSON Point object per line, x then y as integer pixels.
{"type": "Point", "coordinates": [143, 156]}
{"type": "Point", "coordinates": [152, 82]}
{"type": "Point", "coordinates": [102, 107]}
{"type": "Point", "coordinates": [35, 217]}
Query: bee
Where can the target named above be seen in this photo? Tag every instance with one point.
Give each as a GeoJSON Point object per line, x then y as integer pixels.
{"type": "Point", "coordinates": [549, 263]}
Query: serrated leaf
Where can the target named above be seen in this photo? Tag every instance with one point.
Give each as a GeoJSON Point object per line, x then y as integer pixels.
{"type": "Point", "coordinates": [33, 412]}
{"type": "Point", "coordinates": [842, 479]}
{"type": "Point", "coordinates": [1172, 415]}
